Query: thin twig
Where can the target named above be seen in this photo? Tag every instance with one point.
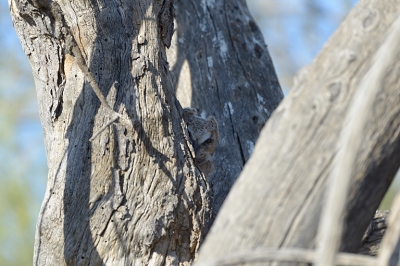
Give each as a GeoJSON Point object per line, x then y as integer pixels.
{"type": "Point", "coordinates": [80, 60]}
{"type": "Point", "coordinates": [331, 224]}
{"type": "Point", "coordinates": [112, 120]}
{"type": "Point", "coordinates": [90, 78]}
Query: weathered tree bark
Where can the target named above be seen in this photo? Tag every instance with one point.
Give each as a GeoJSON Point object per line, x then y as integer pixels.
{"type": "Point", "coordinates": [222, 68]}
{"type": "Point", "coordinates": [276, 202]}
{"type": "Point", "coordinates": [132, 196]}
{"type": "Point", "coordinates": [371, 241]}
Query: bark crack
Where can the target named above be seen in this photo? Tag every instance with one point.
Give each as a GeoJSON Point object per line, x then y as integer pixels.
{"type": "Point", "coordinates": [241, 150]}
{"type": "Point", "coordinates": [233, 46]}
{"type": "Point", "coordinates": [235, 134]}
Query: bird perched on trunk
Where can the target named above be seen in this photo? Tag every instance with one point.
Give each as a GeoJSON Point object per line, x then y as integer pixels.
{"type": "Point", "coordinates": [203, 134]}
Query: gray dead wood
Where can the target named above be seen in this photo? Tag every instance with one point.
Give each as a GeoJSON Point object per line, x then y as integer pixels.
{"type": "Point", "coordinates": [370, 246]}
{"type": "Point", "coordinates": [129, 197]}
{"type": "Point", "coordinates": [222, 67]}
{"type": "Point", "coordinates": [277, 200]}
{"type": "Point", "coordinates": [331, 224]}
{"type": "Point", "coordinates": [389, 255]}
{"type": "Point", "coordinates": [371, 242]}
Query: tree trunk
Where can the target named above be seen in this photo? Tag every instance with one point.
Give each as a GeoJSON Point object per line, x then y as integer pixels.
{"type": "Point", "coordinates": [137, 190]}
{"type": "Point", "coordinates": [276, 202]}
{"type": "Point", "coordinates": [222, 67]}
{"type": "Point", "coordinates": [132, 196]}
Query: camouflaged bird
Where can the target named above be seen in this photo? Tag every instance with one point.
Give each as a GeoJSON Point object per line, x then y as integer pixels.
{"type": "Point", "coordinates": [203, 134]}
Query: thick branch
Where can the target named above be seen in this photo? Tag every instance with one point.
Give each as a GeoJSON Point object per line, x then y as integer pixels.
{"type": "Point", "coordinates": [332, 221]}
{"type": "Point", "coordinates": [280, 192]}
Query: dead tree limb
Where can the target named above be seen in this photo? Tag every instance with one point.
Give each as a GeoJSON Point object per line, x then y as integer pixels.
{"type": "Point", "coordinates": [332, 220]}
{"type": "Point", "coordinates": [280, 192]}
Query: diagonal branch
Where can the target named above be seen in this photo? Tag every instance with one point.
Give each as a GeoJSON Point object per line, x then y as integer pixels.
{"type": "Point", "coordinates": [331, 223]}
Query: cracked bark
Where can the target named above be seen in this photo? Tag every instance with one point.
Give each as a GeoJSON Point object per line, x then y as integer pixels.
{"type": "Point", "coordinates": [131, 196]}
{"type": "Point", "coordinates": [222, 67]}
{"type": "Point", "coordinates": [134, 197]}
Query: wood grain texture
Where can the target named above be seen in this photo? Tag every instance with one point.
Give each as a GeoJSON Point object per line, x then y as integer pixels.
{"type": "Point", "coordinates": [222, 67]}
{"type": "Point", "coordinates": [129, 197]}
{"type": "Point", "coordinates": [331, 224]}
{"type": "Point", "coordinates": [276, 201]}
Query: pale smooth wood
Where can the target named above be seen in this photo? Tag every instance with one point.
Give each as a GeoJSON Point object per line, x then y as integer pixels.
{"type": "Point", "coordinates": [288, 255]}
{"type": "Point", "coordinates": [277, 200]}
{"type": "Point", "coordinates": [332, 220]}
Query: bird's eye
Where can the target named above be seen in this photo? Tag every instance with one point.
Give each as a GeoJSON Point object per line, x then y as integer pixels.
{"type": "Point", "coordinates": [209, 141]}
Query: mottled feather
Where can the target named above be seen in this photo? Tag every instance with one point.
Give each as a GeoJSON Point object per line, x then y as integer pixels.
{"type": "Point", "coordinates": [204, 137]}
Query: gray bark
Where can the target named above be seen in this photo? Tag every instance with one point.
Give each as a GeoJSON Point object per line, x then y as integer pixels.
{"type": "Point", "coordinates": [222, 67]}
{"type": "Point", "coordinates": [132, 196]}
{"type": "Point", "coordinates": [276, 201]}
{"type": "Point", "coordinates": [371, 241]}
